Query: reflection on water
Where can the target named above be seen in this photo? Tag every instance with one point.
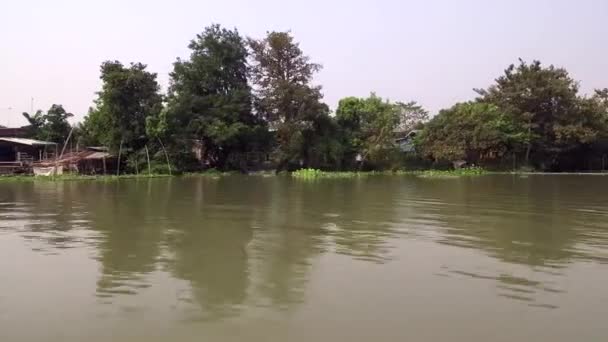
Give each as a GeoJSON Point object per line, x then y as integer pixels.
{"type": "Point", "coordinates": [253, 249]}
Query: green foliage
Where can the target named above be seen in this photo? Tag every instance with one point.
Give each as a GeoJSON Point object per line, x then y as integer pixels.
{"type": "Point", "coordinates": [465, 172]}
{"type": "Point", "coordinates": [470, 131]}
{"type": "Point", "coordinates": [532, 114]}
{"type": "Point", "coordinates": [129, 96]}
{"type": "Point", "coordinates": [210, 99]}
{"type": "Point", "coordinates": [285, 98]}
{"type": "Point", "coordinates": [411, 116]}
{"type": "Point", "coordinates": [369, 127]}
{"type": "Point", "coordinates": [235, 97]}
{"type": "Point", "coordinates": [311, 174]}
{"type": "Point", "coordinates": [50, 126]}
{"type": "Point", "coordinates": [555, 122]}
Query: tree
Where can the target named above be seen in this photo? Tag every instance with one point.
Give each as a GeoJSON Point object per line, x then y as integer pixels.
{"type": "Point", "coordinates": [411, 116]}
{"type": "Point", "coordinates": [285, 97]}
{"type": "Point", "coordinates": [369, 126]}
{"type": "Point", "coordinates": [470, 131]}
{"type": "Point", "coordinates": [50, 126]}
{"type": "Point", "coordinates": [544, 101]}
{"type": "Point", "coordinates": [210, 98]}
{"type": "Point", "coordinates": [129, 95]}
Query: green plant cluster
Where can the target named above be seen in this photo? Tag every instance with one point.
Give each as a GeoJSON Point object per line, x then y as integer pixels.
{"type": "Point", "coordinates": [245, 104]}
{"type": "Point", "coordinates": [309, 173]}
{"type": "Point", "coordinates": [464, 172]}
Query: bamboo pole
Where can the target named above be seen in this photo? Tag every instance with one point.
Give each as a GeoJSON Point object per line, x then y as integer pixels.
{"type": "Point", "coordinates": [65, 144]}
{"type": "Point", "coordinates": [118, 163]}
{"type": "Point", "coordinates": [166, 155]}
{"type": "Point", "coordinates": [54, 173]}
{"type": "Point", "coordinates": [148, 158]}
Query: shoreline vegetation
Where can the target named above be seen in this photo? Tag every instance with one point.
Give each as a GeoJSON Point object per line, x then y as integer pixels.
{"type": "Point", "coordinates": [302, 174]}
{"type": "Point", "coordinates": [244, 104]}
{"type": "Point", "coordinates": [310, 174]}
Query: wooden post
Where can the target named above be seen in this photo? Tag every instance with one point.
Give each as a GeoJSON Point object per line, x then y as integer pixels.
{"type": "Point", "coordinates": [148, 157]}
{"type": "Point", "coordinates": [514, 161]}
{"type": "Point", "coordinates": [54, 173]}
{"type": "Point", "coordinates": [166, 155]}
{"type": "Point", "coordinates": [65, 144]}
{"type": "Point", "coordinates": [118, 164]}
{"type": "Point", "coordinates": [104, 165]}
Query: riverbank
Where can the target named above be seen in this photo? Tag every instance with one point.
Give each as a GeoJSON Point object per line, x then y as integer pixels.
{"type": "Point", "coordinates": [69, 177]}
{"type": "Point", "coordinates": [303, 174]}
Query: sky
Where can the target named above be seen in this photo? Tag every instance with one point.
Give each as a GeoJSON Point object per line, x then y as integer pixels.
{"type": "Point", "coordinates": [433, 51]}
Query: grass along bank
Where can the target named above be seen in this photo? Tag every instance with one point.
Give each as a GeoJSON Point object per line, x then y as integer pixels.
{"type": "Point", "coordinates": [465, 172]}
{"type": "Point", "coordinates": [304, 174]}
{"type": "Point", "coordinates": [309, 174]}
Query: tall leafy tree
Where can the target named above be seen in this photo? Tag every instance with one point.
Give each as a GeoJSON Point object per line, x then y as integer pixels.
{"type": "Point", "coordinates": [471, 131]}
{"type": "Point", "coordinates": [50, 126]}
{"type": "Point", "coordinates": [545, 102]}
{"type": "Point", "coordinates": [129, 95]}
{"type": "Point", "coordinates": [370, 126]}
{"type": "Point", "coordinates": [411, 116]}
{"type": "Point", "coordinates": [210, 98]}
{"type": "Point", "coordinates": [285, 97]}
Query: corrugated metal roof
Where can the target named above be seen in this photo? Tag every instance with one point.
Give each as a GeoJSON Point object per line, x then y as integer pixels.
{"type": "Point", "coordinates": [29, 142]}
{"type": "Point", "coordinates": [98, 155]}
{"type": "Point", "coordinates": [98, 148]}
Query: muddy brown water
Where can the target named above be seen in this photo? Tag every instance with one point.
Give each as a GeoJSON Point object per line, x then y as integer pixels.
{"type": "Point", "coordinates": [386, 258]}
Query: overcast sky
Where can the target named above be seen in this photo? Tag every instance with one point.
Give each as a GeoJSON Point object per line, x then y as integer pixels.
{"type": "Point", "coordinates": [431, 51]}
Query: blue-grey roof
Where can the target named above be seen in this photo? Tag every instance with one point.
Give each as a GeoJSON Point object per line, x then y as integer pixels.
{"type": "Point", "coordinates": [28, 142]}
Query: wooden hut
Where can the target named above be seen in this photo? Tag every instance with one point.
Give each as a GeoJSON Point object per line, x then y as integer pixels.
{"type": "Point", "coordinates": [18, 154]}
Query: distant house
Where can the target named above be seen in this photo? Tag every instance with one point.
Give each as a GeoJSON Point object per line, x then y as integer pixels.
{"type": "Point", "coordinates": [25, 150]}
{"type": "Point", "coordinates": [18, 132]}
{"type": "Point", "coordinates": [90, 161]}
{"type": "Point", "coordinates": [405, 141]}
{"type": "Point", "coordinates": [18, 154]}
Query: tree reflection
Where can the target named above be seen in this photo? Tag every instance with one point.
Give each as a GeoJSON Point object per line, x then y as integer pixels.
{"type": "Point", "coordinates": [128, 217]}
{"type": "Point", "coordinates": [515, 221]}
{"type": "Point", "coordinates": [358, 216]}
{"type": "Point", "coordinates": [47, 214]}
{"type": "Point", "coordinates": [531, 222]}
{"type": "Point", "coordinates": [209, 234]}
{"type": "Point", "coordinates": [244, 242]}
{"type": "Point", "coordinates": [236, 241]}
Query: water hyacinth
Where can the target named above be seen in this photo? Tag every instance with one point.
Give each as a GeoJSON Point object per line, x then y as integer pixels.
{"type": "Point", "coordinates": [317, 174]}
{"type": "Point", "coordinates": [309, 174]}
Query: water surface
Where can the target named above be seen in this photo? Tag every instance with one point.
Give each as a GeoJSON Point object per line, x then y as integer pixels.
{"type": "Point", "coordinates": [491, 258]}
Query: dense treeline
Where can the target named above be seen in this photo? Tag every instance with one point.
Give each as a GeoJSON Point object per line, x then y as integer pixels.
{"type": "Point", "coordinates": [240, 103]}
{"type": "Point", "coordinates": [532, 116]}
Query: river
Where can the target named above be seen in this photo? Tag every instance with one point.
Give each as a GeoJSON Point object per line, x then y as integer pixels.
{"type": "Point", "coordinates": [252, 258]}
